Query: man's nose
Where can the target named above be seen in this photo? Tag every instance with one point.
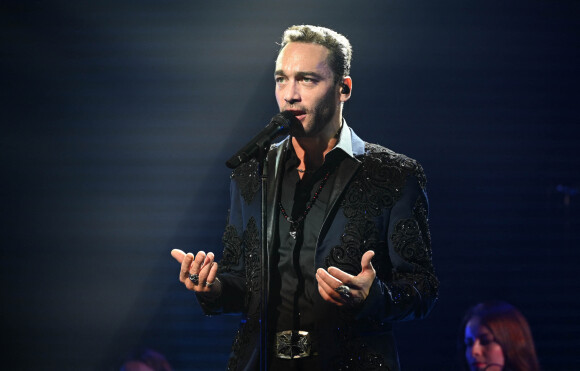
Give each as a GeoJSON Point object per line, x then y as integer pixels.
{"type": "Point", "coordinates": [292, 95]}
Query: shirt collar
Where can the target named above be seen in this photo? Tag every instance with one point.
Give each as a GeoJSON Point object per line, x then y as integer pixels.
{"type": "Point", "coordinates": [344, 141]}
{"type": "Point", "coordinates": [344, 146]}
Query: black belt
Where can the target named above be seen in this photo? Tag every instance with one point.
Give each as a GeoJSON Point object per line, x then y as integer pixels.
{"type": "Point", "coordinates": [293, 344]}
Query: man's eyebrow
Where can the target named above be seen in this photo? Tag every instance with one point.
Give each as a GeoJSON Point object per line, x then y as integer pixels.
{"type": "Point", "coordinates": [299, 74]}
{"type": "Point", "coordinates": [309, 73]}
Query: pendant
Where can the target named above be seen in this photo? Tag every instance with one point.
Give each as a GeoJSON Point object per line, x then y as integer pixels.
{"type": "Point", "coordinates": [293, 229]}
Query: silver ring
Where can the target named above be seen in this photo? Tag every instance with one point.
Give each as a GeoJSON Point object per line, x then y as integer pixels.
{"type": "Point", "coordinates": [194, 278]}
{"type": "Point", "coordinates": [209, 284]}
{"type": "Point", "coordinates": [344, 292]}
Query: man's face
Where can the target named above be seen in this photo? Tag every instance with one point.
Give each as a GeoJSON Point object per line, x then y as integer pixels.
{"type": "Point", "coordinates": [305, 86]}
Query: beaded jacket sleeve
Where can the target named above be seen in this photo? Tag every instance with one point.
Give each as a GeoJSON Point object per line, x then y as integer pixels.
{"type": "Point", "coordinates": [239, 268]}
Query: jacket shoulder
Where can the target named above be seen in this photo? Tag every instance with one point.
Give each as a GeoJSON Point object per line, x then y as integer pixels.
{"type": "Point", "coordinates": [247, 179]}
{"type": "Point", "coordinates": [382, 159]}
{"type": "Point", "coordinates": [247, 176]}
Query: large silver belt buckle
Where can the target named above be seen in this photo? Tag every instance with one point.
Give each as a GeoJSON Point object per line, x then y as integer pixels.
{"type": "Point", "coordinates": [293, 344]}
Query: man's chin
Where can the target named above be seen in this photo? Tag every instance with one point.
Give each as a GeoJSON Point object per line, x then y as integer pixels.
{"type": "Point", "coordinates": [305, 134]}
{"type": "Point", "coordinates": [299, 131]}
{"type": "Point", "coordinates": [308, 129]}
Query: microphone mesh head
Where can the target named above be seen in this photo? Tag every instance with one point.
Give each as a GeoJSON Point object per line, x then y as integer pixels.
{"type": "Point", "coordinates": [287, 120]}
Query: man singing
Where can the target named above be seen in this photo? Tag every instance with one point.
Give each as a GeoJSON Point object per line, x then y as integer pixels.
{"type": "Point", "coordinates": [348, 238]}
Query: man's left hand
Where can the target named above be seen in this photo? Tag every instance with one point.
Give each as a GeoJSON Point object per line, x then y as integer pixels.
{"type": "Point", "coordinates": [341, 288]}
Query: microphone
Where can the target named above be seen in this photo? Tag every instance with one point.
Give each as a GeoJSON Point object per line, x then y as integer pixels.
{"type": "Point", "coordinates": [281, 124]}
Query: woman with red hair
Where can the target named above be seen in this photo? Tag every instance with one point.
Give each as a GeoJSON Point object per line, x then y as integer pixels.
{"type": "Point", "coordinates": [495, 336]}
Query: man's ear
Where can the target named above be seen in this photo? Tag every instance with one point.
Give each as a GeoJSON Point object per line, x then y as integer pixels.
{"type": "Point", "coordinates": [345, 89]}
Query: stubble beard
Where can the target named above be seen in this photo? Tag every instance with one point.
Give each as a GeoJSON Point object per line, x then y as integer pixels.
{"type": "Point", "coordinates": [320, 116]}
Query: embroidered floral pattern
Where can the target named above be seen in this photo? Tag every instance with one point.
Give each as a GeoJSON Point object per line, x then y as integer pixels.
{"type": "Point", "coordinates": [249, 327]}
{"type": "Point", "coordinates": [377, 185]}
{"type": "Point", "coordinates": [408, 241]}
{"type": "Point", "coordinates": [355, 241]}
{"type": "Point", "coordinates": [232, 249]}
{"type": "Point", "coordinates": [251, 240]}
{"type": "Point", "coordinates": [247, 331]}
{"type": "Point", "coordinates": [380, 181]}
{"type": "Point", "coordinates": [355, 355]}
{"type": "Point", "coordinates": [420, 212]}
{"type": "Point", "coordinates": [248, 179]}
{"type": "Point", "coordinates": [412, 241]}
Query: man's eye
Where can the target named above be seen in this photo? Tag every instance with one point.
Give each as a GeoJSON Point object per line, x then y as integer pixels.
{"type": "Point", "coordinates": [279, 80]}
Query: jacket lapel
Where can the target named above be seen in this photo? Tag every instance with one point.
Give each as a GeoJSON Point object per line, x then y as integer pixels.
{"type": "Point", "coordinates": [275, 167]}
{"type": "Point", "coordinates": [345, 171]}
{"type": "Point", "coordinates": [344, 174]}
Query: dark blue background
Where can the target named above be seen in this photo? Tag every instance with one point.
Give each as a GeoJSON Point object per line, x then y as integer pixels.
{"type": "Point", "coordinates": [117, 118]}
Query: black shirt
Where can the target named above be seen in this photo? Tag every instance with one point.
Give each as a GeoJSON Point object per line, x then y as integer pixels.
{"type": "Point", "coordinates": [294, 286]}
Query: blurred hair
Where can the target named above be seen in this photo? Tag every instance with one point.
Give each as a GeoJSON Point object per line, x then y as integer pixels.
{"type": "Point", "coordinates": [340, 49]}
{"type": "Point", "coordinates": [149, 357]}
{"type": "Point", "coordinates": [510, 330]}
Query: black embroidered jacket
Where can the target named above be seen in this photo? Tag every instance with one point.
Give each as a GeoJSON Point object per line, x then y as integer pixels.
{"type": "Point", "coordinates": [378, 203]}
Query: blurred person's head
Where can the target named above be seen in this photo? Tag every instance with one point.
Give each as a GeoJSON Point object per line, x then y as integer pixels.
{"type": "Point", "coordinates": [146, 360]}
{"type": "Point", "coordinates": [495, 336]}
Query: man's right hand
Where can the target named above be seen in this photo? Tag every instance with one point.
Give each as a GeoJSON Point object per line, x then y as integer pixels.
{"type": "Point", "coordinates": [198, 273]}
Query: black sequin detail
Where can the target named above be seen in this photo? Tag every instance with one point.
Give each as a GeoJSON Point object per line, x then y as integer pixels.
{"type": "Point", "coordinates": [247, 331]}
{"type": "Point", "coordinates": [379, 182]}
{"type": "Point", "coordinates": [232, 249]}
{"type": "Point", "coordinates": [248, 179]}
{"type": "Point", "coordinates": [356, 240]}
{"type": "Point", "coordinates": [355, 355]}
{"type": "Point", "coordinates": [408, 242]}
{"type": "Point", "coordinates": [401, 293]}
{"type": "Point", "coordinates": [250, 325]}
{"type": "Point", "coordinates": [412, 241]}
{"type": "Point", "coordinates": [421, 215]}
{"type": "Point", "coordinates": [377, 185]}
{"type": "Point", "coordinates": [251, 240]}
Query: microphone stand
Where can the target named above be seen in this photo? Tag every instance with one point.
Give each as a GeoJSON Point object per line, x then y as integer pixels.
{"type": "Point", "coordinates": [263, 172]}
{"type": "Point", "coordinates": [258, 147]}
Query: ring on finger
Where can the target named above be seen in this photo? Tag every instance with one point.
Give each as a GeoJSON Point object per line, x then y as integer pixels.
{"type": "Point", "coordinates": [194, 278]}
{"type": "Point", "coordinates": [209, 284]}
{"type": "Point", "coordinates": [344, 292]}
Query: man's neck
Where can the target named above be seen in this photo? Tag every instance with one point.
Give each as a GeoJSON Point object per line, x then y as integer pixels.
{"type": "Point", "coordinates": [311, 151]}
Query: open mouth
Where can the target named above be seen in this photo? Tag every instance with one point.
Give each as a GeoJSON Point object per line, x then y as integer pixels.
{"type": "Point", "coordinates": [300, 115]}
